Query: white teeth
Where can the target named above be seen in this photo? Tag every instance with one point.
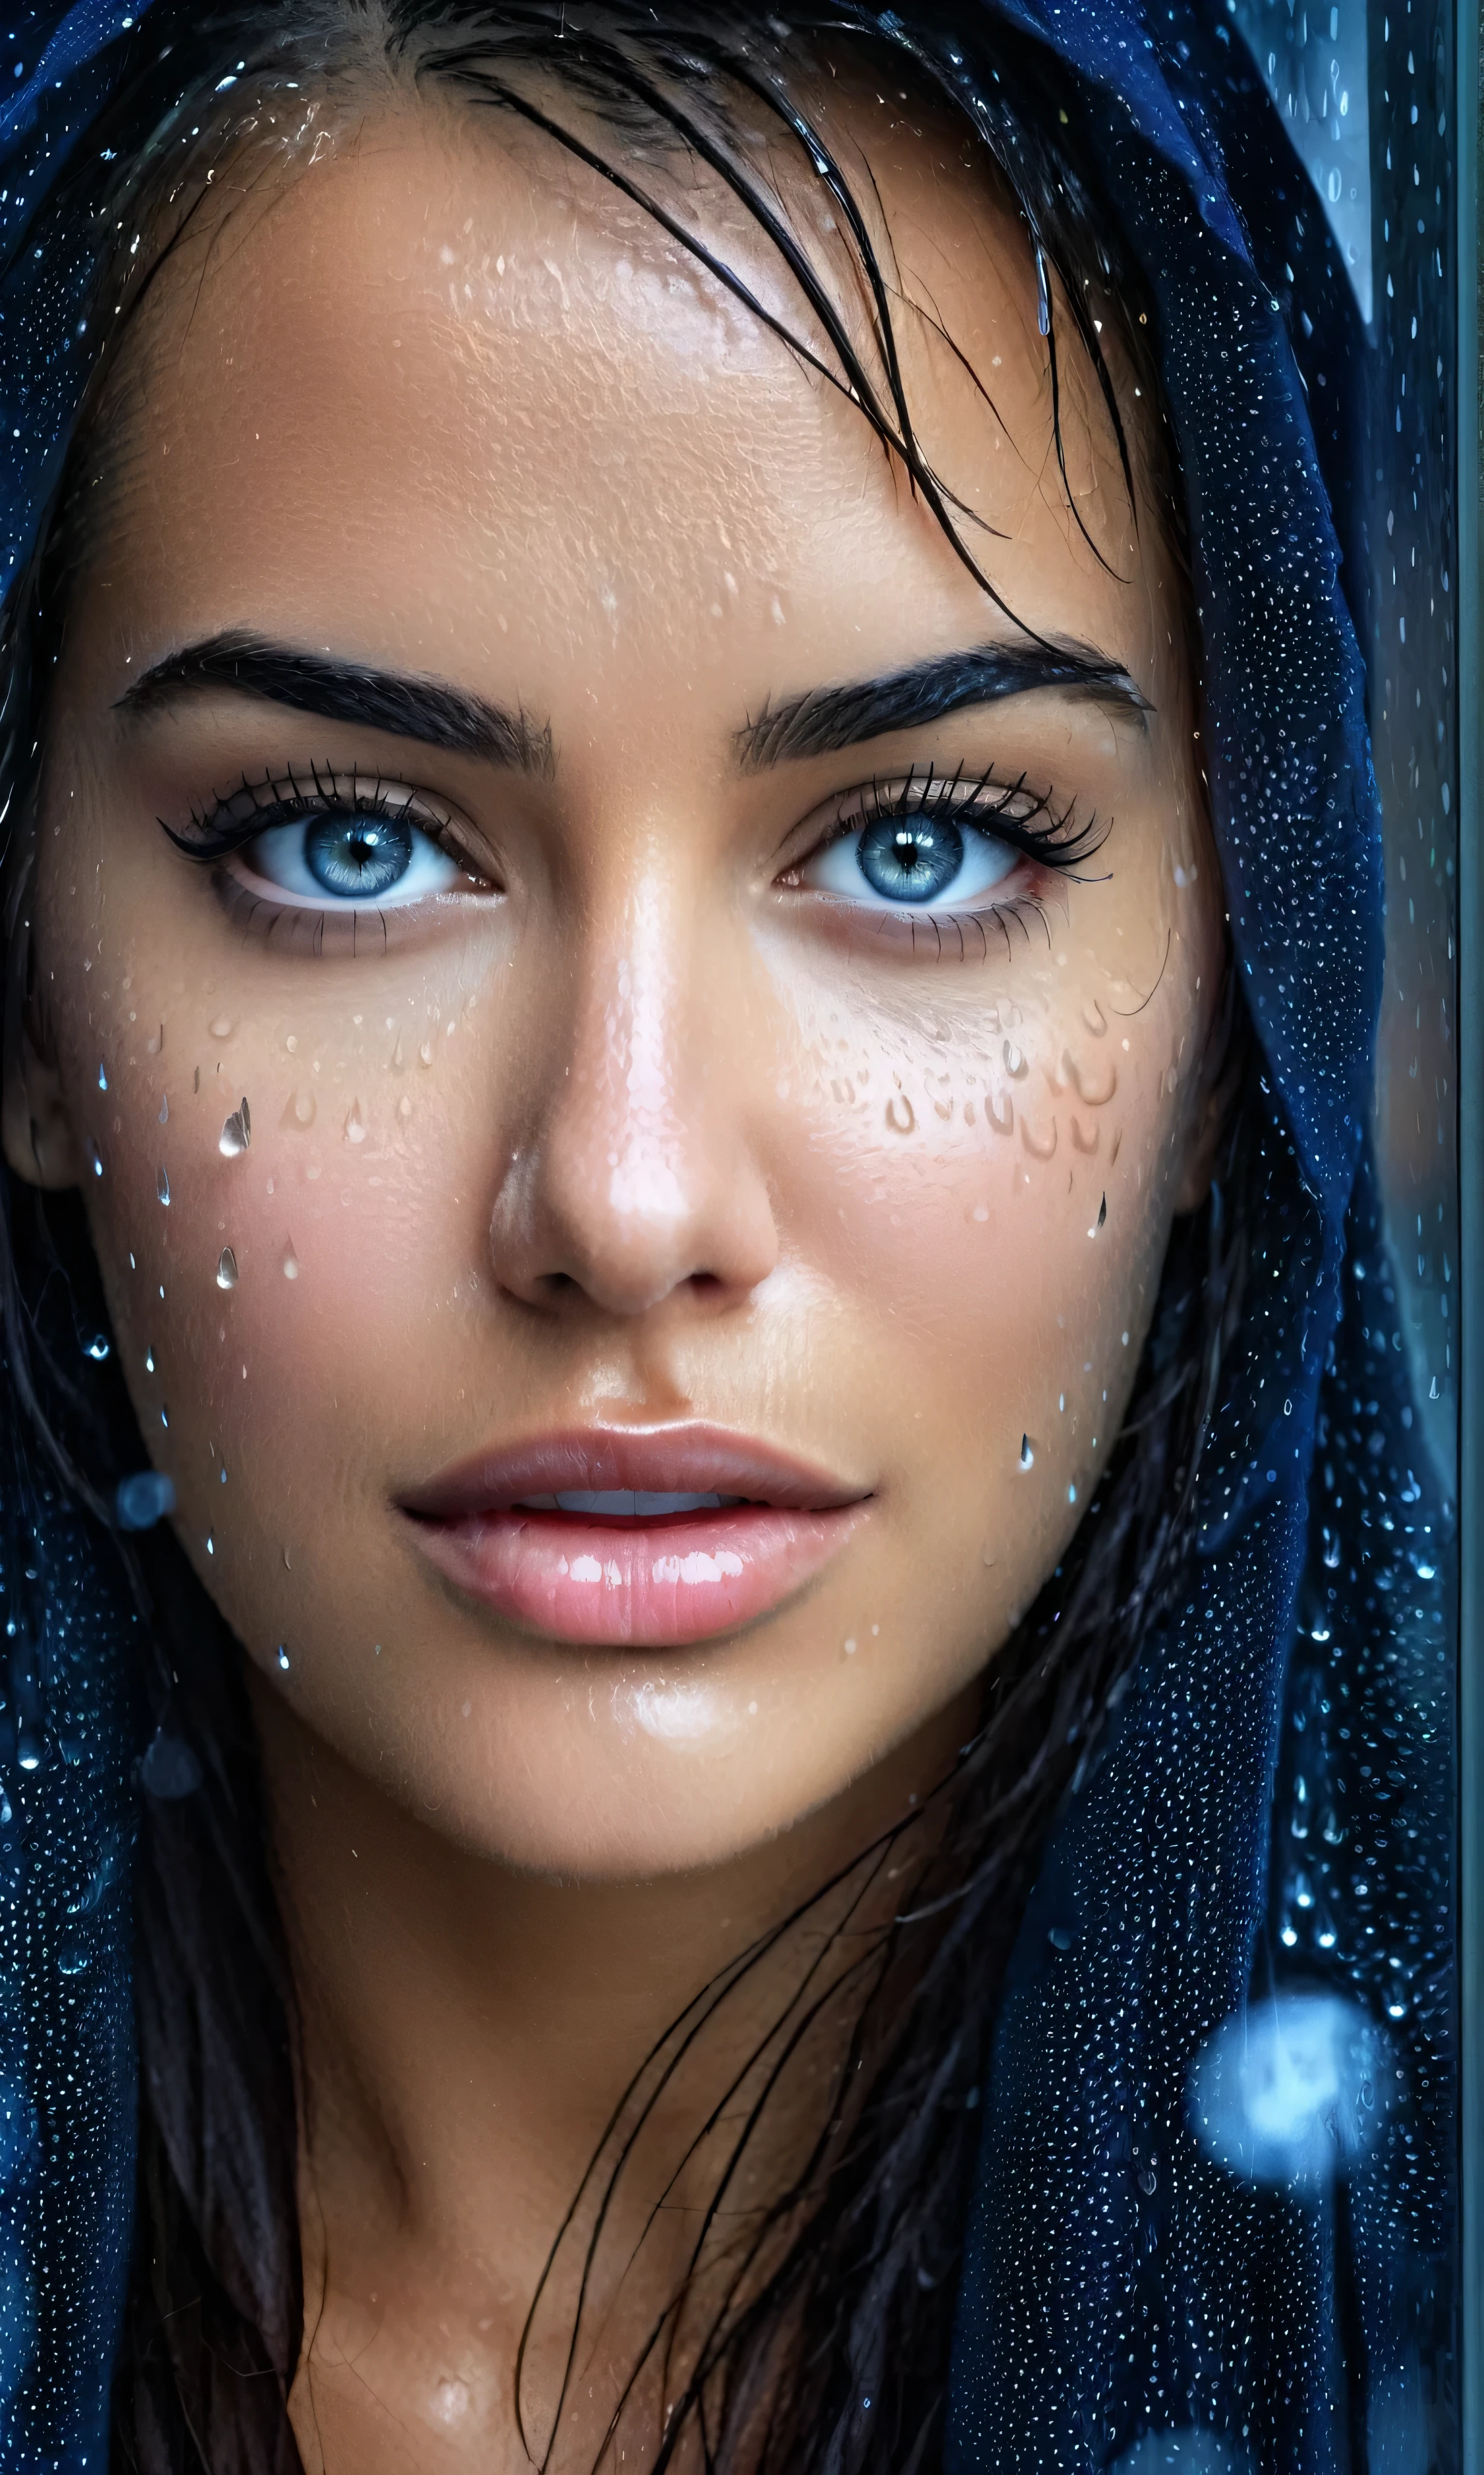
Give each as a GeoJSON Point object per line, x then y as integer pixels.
{"type": "Point", "coordinates": [639, 1503]}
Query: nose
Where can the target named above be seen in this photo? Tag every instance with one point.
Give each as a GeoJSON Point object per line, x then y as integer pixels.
{"type": "Point", "coordinates": [631, 1177]}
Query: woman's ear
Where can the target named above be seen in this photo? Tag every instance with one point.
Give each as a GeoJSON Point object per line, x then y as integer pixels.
{"type": "Point", "coordinates": [34, 1125]}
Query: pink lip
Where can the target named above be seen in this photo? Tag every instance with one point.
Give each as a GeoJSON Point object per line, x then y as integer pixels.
{"type": "Point", "coordinates": [656, 1579]}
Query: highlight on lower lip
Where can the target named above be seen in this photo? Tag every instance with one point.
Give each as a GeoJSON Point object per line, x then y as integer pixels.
{"type": "Point", "coordinates": [655, 1581]}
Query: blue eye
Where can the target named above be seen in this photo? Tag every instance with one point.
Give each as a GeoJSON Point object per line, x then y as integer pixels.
{"type": "Point", "coordinates": [919, 860]}
{"type": "Point", "coordinates": [344, 855]}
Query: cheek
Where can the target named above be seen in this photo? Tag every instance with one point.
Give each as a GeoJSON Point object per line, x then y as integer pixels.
{"type": "Point", "coordinates": [313, 1246]}
{"type": "Point", "coordinates": [994, 1191]}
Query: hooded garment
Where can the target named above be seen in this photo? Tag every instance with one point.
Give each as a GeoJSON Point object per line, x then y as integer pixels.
{"type": "Point", "coordinates": [1213, 2216]}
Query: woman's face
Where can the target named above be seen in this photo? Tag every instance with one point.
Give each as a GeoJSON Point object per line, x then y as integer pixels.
{"type": "Point", "coordinates": [676, 1054]}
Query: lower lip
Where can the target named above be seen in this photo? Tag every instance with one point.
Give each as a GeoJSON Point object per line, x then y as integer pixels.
{"type": "Point", "coordinates": [649, 1583]}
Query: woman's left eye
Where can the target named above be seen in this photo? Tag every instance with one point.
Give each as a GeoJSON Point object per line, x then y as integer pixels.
{"type": "Point", "coordinates": [343, 855]}
{"type": "Point", "coordinates": [924, 862]}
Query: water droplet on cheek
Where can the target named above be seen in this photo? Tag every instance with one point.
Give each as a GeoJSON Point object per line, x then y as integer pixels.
{"type": "Point", "coordinates": [227, 1274]}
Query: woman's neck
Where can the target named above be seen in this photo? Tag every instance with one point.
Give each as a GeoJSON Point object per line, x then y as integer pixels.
{"type": "Point", "coordinates": [466, 2033]}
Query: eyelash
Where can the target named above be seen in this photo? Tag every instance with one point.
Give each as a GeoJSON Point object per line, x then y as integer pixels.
{"type": "Point", "coordinates": [1059, 844]}
{"type": "Point", "coordinates": [281, 800]}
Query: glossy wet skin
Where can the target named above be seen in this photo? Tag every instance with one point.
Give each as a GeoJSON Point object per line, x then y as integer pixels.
{"type": "Point", "coordinates": [646, 1135]}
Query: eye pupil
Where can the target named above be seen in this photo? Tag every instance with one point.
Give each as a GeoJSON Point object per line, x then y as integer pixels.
{"type": "Point", "coordinates": [910, 860]}
{"type": "Point", "coordinates": [363, 856]}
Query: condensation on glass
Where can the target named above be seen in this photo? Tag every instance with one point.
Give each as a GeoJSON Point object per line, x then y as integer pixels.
{"type": "Point", "coordinates": [1363, 1923]}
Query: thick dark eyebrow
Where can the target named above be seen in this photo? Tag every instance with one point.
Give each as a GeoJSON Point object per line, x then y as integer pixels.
{"type": "Point", "coordinates": [430, 711]}
{"type": "Point", "coordinates": [825, 719]}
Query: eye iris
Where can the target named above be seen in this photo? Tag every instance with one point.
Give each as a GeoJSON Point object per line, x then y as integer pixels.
{"type": "Point", "coordinates": [363, 856]}
{"type": "Point", "coordinates": [910, 858]}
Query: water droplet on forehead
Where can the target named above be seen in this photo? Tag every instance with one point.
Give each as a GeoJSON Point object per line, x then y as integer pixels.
{"type": "Point", "coordinates": [227, 1273]}
{"type": "Point", "coordinates": [237, 1131]}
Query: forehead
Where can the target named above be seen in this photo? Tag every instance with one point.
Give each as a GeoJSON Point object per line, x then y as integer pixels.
{"type": "Point", "coordinates": [446, 366]}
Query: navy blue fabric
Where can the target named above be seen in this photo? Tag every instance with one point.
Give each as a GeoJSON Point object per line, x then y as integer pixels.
{"type": "Point", "coordinates": [1138, 2282]}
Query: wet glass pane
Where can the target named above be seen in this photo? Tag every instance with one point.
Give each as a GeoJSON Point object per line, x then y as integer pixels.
{"type": "Point", "coordinates": [1365, 1823]}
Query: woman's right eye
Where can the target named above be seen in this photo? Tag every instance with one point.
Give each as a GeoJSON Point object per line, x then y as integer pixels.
{"type": "Point", "coordinates": [349, 856]}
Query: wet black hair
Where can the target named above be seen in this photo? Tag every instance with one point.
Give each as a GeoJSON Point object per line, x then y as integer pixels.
{"type": "Point", "coordinates": [842, 2289]}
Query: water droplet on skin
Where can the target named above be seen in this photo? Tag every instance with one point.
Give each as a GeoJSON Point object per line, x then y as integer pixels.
{"type": "Point", "coordinates": [1014, 1059]}
{"type": "Point", "coordinates": [103, 1079]}
{"type": "Point", "coordinates": [398, 1060]}
{"type": "Point", "coordinates": [426, 1052]}
{"type": "Point", "coordinates": [298, 1111]}
{"type": "Point", "coordinates": [223, 1473]}
{"type": "Point", "coordinates": [221, 1029]}
{"type": "Point", "coordinates": [290, 1265]}
{"type": "Point", "coordinates": [98, 1348]}
{"type": "Point", "coordinates": [1027, 1452]}
{"type": "Point", "coordinates": [355, 1124]}
{"type": "Point", "coordinates": [164, 1108]}
{"type": "Point", "coordinates": [149, 1361]}
{"type": "Point", "coordinates": [986, 1557]}
{"type": "Point", "coordinates": [97, 1162]}
{"type": "Point", "coordinates": [227, 1274]}
{"type": "Point", "coordinates": [237, 1134]}
{"type": "Point", "coordinates": [404, 1107]}
{"type": "Point", "coordinates": [71, 1956]}
{"type": "Point", "coordinates": [29, 1747]}
{"type": "Point", "coordinates": [210, 1544]}
{"type": "Point", "coordinates": [283, 1658]}
{"type": "Point", "coordinates": [850, 1652]}
{"type": "Point", "coordinates": [163, 1187]}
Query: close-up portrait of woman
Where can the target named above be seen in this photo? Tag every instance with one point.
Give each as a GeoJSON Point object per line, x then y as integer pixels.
{"type": "Point", "coordinates": [726, 1522]}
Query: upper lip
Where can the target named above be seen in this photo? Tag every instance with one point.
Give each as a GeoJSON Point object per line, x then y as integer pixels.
{"type": "Point", "coordinates": [688, 1459]}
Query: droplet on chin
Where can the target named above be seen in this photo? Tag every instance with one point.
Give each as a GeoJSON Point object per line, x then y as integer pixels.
{"type": "Point", "coordinates": [226, 1272]}
{"type": "Point", "coordinates": [237, 1131]}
